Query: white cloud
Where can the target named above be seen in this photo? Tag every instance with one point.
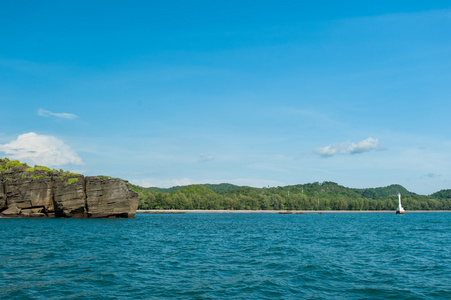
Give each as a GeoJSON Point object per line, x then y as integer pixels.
{"type": "Point", "coordinates": [348, 148]}
{"type": "Point", "coordinates": [46, 113]}
{"type": "Point", "coordinates": [41, 150]}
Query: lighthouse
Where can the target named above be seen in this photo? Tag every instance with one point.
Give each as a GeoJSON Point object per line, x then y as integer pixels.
{"type": "Point", "coordinates": [400, 210]}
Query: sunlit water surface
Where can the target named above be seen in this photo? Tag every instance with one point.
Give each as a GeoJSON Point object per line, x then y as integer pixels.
{"type": "Point", "coordinates": [222, 256]}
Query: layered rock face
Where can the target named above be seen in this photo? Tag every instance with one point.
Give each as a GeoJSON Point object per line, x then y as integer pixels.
{"type": "Point", "coordinates": [41, 192]}
{"type": "Point", "coordinates": [110, 197]}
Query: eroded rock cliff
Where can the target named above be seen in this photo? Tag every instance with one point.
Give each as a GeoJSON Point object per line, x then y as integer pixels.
{"type": "Point", "coordinates": [42, 192]}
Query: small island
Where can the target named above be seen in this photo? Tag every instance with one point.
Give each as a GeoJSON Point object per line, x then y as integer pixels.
{"type": "Point", "coordinates": [43, 192]}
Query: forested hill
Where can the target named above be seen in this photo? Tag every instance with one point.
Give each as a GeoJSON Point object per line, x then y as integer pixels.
{"type": "Point", "coordinates": [383, 192]}
{"type": "Point", "coordinates": [217, 188]}
{"type": "Point", "coordinates": [443, 194]}
{"type": "Point", "coordinates": [310, 196]}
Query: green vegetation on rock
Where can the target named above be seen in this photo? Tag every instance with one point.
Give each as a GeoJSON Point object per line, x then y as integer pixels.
{"type": "Point", "coordinates": [14, 163]}
{"type": "Point", "coordinates": [72, 180]}
{"type": "Point", "coordinates": [67, 173]}
{"type": "Point", "coordinates": [42, 168]}
{"type": "Point", "coordinates": [6, 165]}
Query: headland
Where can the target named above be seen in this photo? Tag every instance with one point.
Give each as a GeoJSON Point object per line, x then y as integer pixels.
{"type": "Point", "coordinates": [42, 192]}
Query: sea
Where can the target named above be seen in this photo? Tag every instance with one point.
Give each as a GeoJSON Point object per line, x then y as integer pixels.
{"type": "Point", "coordinates": [228, 256]}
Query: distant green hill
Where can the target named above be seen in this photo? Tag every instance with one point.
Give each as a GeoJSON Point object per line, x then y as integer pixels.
{"type": "Point", "coordinates": [217, 188]}
{"type": "Point", "coordinates": [164, 190]}
{"type": "Point", "coordinates": [220, 188]}
{"type": "Point", "coordinates": [442, 194]}
{"type": "Point", "coordinates": [311, 196]}
{"type": "Point", "coordinates": [383, 192]}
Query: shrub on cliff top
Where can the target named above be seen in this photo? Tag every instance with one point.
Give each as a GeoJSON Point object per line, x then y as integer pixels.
{"type": "Point", "coordinates": [71, 180]}
{"type": "Point", "coordinates": [42, 168]}
{"type": "Point", "coordinates": [6, 164]}
{"type": "Point", "coordinates": [67, 173]}
{"type": "Point", "coordinates": [14, 163]}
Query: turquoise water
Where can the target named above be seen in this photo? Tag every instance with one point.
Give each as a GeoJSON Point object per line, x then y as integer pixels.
{"type": "Point", "coordinates": [222, 256]}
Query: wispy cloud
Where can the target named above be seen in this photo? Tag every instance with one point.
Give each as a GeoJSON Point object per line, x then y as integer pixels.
{"type": "Point", "coordinates": [348, 148]}
{"type": "Point", "coordinates": [46, 113]}
{"type": "Point", "coordinates": [41, 150]}
{"type": "Point", "coordinates": [430, 176]}
{"type": "Point", "coordinates": [205, 157]}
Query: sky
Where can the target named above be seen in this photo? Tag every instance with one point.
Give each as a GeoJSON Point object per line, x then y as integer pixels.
{"type": "Point", "coordinates": [261, 93]}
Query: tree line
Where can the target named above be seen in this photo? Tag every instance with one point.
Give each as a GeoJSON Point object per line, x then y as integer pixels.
{"type": "Point", "coordinates": [311, 196]}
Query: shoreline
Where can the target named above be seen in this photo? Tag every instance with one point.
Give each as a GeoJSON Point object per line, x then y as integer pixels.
{"type": "Point", "coordinates": [183, 211]}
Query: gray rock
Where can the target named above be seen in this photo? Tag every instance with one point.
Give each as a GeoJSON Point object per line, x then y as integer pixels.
{"type": "Point", "coordinates": [13, 210]}
{"type": "Point", "coordinates": [2, 194]}
{"type": "Point", "coordinates": [70, 199]}
{"type": "Point", "coordinates": [28, 192]}
{"type": "Point", "coordinates": [110, 198]}
{"type": "Point", "coordinates": [25, 192]}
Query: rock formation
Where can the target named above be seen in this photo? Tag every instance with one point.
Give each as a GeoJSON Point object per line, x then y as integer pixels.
{"type": "Point", "coordinates": [42, 192]}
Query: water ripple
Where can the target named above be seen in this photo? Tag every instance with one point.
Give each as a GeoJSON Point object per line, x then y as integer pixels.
{"type": "Point", "coordinates": [217, 256]}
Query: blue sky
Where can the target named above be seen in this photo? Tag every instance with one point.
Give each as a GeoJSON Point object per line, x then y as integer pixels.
{"type": "Point", "coordinates": [267, 93]}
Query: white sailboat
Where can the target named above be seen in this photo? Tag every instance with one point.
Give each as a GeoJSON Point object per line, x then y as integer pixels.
{"type": "Point", "coordinates": [400, 210]}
